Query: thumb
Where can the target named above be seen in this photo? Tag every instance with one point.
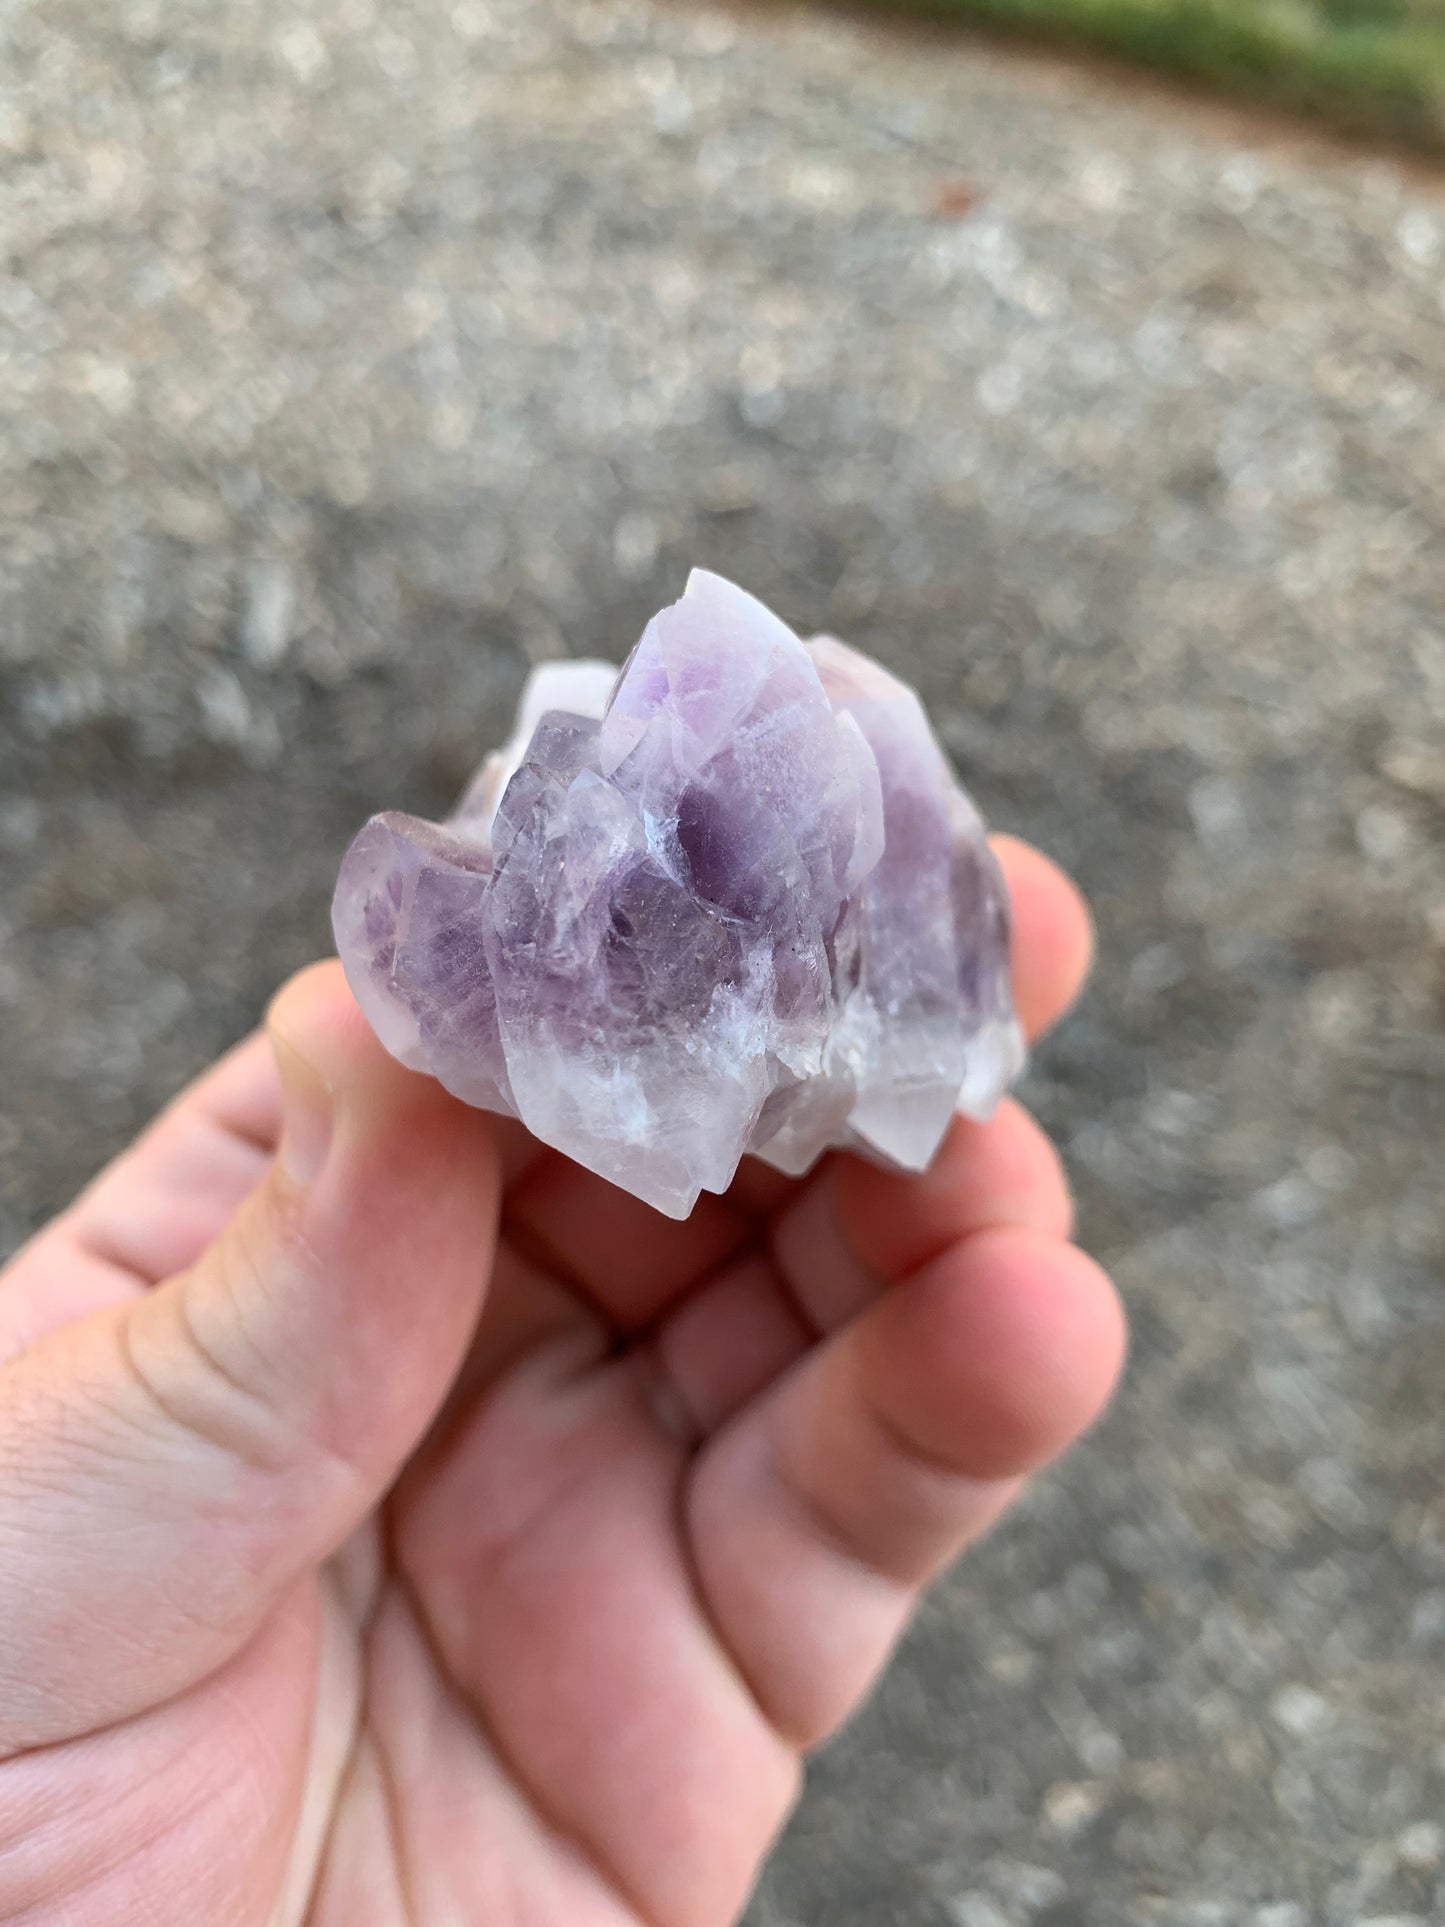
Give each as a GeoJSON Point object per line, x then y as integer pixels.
{"type": "Point", "coordinates": [171, 1466]}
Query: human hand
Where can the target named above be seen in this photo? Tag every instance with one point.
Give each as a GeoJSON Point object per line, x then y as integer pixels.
{"type": "Point", "coordinates": [401, 1526]}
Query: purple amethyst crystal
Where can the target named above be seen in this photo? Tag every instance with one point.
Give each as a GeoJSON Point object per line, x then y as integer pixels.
{"type": "Point", "coordinates": [727, 899]}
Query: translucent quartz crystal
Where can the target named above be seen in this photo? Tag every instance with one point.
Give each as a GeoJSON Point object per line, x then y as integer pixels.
{"type": "Point", "coordinates": [729, 899]}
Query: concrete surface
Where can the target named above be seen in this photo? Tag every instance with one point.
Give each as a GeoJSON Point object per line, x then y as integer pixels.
{"type": "Point", "coordinates": [352, 355]}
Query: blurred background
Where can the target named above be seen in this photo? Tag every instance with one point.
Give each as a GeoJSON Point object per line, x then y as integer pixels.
{"type": "Point", "coordinates": [355, 356]}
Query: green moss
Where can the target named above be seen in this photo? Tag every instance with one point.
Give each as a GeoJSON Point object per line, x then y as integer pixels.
{"type": "Point", "coordinates": [1374, 66]}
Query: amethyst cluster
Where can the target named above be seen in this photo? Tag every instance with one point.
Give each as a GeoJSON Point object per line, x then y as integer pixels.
{"type": "Point", "coordinates": [729, 899]}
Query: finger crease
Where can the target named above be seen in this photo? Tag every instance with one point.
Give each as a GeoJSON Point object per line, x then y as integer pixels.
{"type": "Point", "coordinates": [253, 1444]}
{"type": "Point", "coordinates": [253, 1139]}
{"type": "Point", "coordinates": [908, 1449]}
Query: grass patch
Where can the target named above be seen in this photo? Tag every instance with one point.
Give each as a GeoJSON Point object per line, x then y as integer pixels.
{"type": "Point", "coordinates": [1364, 66]}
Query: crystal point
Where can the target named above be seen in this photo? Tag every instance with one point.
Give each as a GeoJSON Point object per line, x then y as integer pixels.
{"type": "Point", "coordinates": [727, 899]}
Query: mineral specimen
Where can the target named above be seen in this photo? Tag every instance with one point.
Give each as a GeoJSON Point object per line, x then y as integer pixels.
{"type": "Point", "coordinates": [728, 899]}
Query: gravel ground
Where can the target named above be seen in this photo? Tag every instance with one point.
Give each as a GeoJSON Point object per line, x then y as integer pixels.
{"type": "Point", "coordinates": [352, 356]}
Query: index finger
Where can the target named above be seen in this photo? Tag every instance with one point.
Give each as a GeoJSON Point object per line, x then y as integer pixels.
{"type": "Point", "coordinates": [1053, 934]}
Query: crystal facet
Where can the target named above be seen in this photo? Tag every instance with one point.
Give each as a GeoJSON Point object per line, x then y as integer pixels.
{"type": "Point", "coordinates": [729, 899]}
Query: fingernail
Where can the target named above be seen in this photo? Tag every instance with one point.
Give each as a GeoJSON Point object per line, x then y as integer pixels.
{"type": "Point", "coordinates": [308, 1112]}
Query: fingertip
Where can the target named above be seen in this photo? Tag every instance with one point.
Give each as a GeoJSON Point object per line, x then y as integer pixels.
{"type": "Point", "coordinates": [322, 1040]}
{"type": "Point", "coordinates": [379, 1130]}
{"type": "Point", "coordinates": [999, 1353]}
{"type": "Point", "coordinates": [315, 1016]}
{"type": "Point", "coordinates": [1053, 934]}
{"type": "Point", "coordinates": [1000, 1172]}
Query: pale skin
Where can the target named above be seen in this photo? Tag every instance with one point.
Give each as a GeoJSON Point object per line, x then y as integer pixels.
{"type": "Point", "coordinates": [400, 1527]}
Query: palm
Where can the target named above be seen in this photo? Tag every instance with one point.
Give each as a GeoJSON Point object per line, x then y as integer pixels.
{"type": "Point", "coordinates": [674, 1510]}
{"type": "Point", "coordinates": [537, 1599]}
{"type": "Point", "coordinates": [545, 1699]}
